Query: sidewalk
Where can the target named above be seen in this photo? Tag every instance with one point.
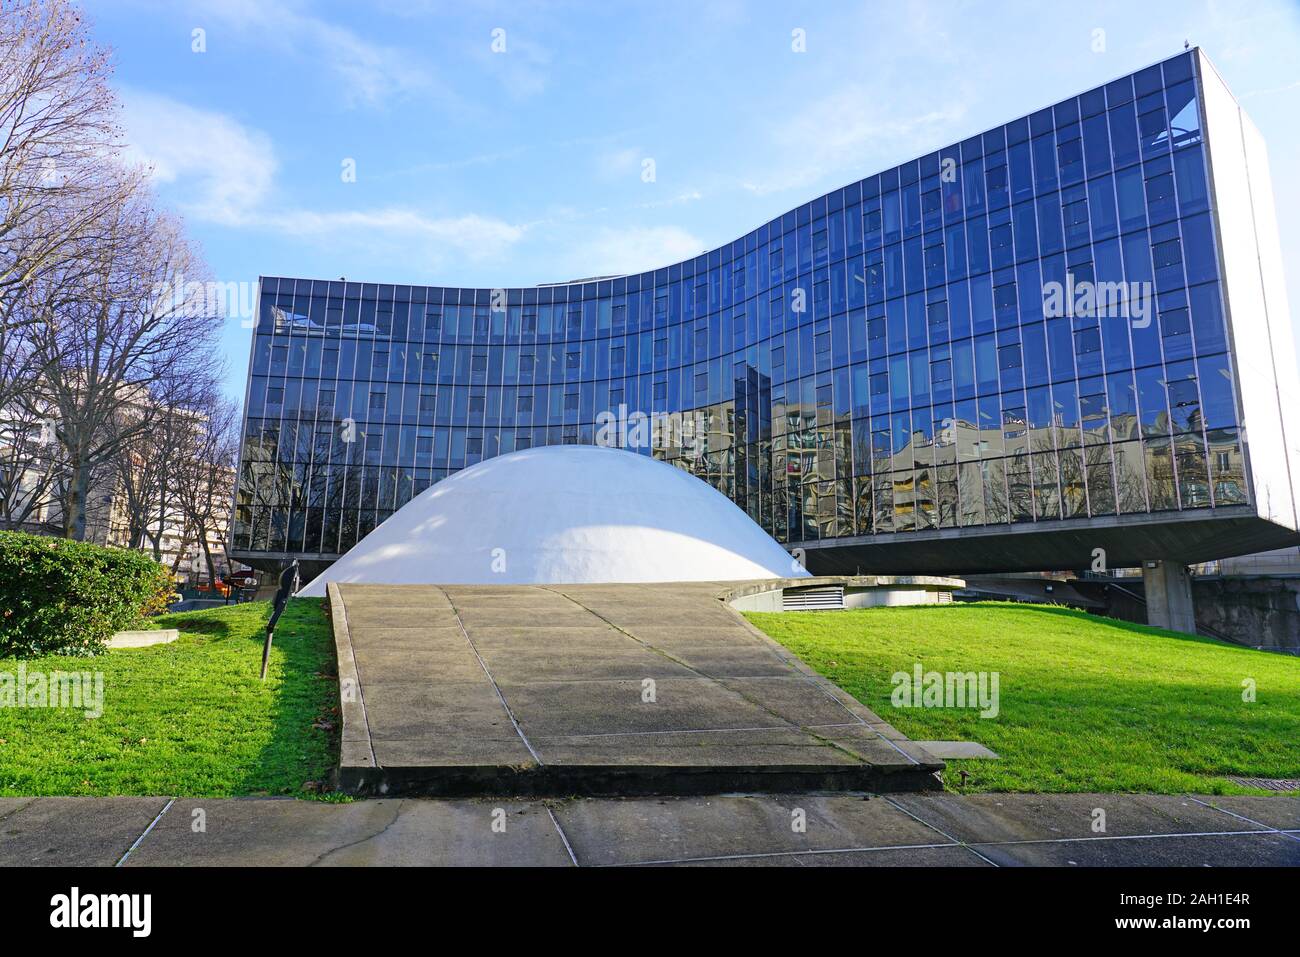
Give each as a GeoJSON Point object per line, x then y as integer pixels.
{"type": "Point", "coordinates": [827, 829]}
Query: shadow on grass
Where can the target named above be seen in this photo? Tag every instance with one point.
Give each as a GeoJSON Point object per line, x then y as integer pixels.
{"type": "Point", "coordinates": [1026, 609]}
{"type": "Point", "coordinates": [303, 685]}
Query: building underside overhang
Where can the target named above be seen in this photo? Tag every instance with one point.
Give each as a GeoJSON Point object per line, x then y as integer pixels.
{"type": "Point", "coordinates": [1126, 542]}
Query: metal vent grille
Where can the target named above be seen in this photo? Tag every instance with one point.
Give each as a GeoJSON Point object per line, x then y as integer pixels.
{"type": "Point", "coordinates": [813, 599]}
{"type": "Point", "coordinates": [945, 597]}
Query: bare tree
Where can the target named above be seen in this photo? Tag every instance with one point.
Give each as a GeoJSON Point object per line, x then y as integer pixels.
{"type": "Point", "coordinates": [119, 337]}
{"type": "Point", "coordinates": [58, 138]}
{"type": "Point", "coordinates": [206, 478]}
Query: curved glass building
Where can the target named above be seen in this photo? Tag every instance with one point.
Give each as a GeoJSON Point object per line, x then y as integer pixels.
{"type": "Point", "coordinates": [1010, 353]}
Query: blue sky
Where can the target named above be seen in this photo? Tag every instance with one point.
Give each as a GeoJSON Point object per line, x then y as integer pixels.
{"type": "Point", "coordinates": [476, 167]}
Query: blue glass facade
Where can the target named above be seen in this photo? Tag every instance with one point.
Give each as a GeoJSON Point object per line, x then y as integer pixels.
{"type": "Point", "coordinates": [876, 362]}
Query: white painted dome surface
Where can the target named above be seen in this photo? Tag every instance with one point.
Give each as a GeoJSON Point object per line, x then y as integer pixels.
{"type": "Point", "coordinates": [564, 514]}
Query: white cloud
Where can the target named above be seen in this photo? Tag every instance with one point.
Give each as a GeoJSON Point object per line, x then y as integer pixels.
{"type": "Point", "coordinates": [844, 131]}
{"type": "Point", "coordinates": [224, 168]}
{"type": "Point", "coordinates": [370, 72]}
{"type": "Point", "coordinates": [474, 235]}
{"type": "Point", "coordinates": [619, 163]}
{"type": "Point", "coordinates": [614, 251]}
{"type": "Point", "coordinates": [224, 173]}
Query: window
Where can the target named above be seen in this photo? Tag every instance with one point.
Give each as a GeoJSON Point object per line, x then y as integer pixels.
{"type": "Point", "coordinates": [474, 445]}
{"type": "Point", "coordinates": [1169, 253]}
{"type": "Point", "coordinates": [571, 401]}
{"type": "Point", "coordinates": [1174, 322]}
{"type": "Point", "coordinates": [275, 395]}
{"type": "Point", "coordinates": [524, 403]}
{"type": "Point", "coordinates": [478, 363]}
{"type": "Point", "coordinates": [1009, 357]}
{"type": "Point", "coordinates": [1069, 155]}
{"type": "Point", "coordinates": [377, 400]}
{"type": "Point", "coordinates": [477, 403]}
{"type": "Point", "coordinates": [428, 401]}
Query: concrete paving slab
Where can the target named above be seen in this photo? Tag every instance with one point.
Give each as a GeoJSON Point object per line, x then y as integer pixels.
{"type": "Point", "coordinates": [720, 660]}
{"type": "Point", "coordinates": [1280, 812]}
{"type": "Point", "coordinates": [679, 829]}
{"type": "Point", "coordinates": [410, 711]}
{"type": "Point", "coordinates": [1231, 850]}
{"type": "Point", "coordinates": [74, 831]}
{"type": "Point", "coordinates": [365, 833]}
{"type": "Point", "coordinates": [790, 697]}
{"type": "Point", "coordinates": [1032, 817]}
{"type": "Point", "coordinates": [454, 749]}
{"type": "Point", "coordinates": [593, 707]}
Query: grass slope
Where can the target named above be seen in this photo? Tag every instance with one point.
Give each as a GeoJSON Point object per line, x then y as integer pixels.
{"type": "Point", "coordinates": [1087, 703]}
{"type": "Point", "coordinates": [190, 718]}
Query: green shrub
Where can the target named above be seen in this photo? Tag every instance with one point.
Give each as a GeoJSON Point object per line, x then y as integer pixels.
{"type": "Point", "coordinates": [60, 597]}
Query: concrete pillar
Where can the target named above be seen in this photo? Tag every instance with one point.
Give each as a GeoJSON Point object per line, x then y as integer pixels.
{"type": "Point", "coordinates": [1169, 596]}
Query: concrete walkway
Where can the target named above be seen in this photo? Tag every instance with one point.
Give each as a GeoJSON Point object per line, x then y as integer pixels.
{"type": "Point", "coordinates": [752, 830]}
{"type": "Point", "coordinates": [595, 690]}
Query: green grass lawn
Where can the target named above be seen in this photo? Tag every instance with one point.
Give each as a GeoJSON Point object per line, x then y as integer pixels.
{"type": "Point", "coordinates": [191, 718]}
{"type": "Point", "coordinates": [1086, 703]}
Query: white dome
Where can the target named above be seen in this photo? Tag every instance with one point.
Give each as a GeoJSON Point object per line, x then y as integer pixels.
{"type": "Point", "coordinates": [564, 514]}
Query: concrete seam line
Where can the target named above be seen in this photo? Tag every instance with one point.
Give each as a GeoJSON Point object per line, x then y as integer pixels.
{"type": "Point", "coordinates": [788, 725]}
{"type": "Point", "coordinates": [493, 681]}
{"type": "Point", "coordinates": [809, 675]}
{"type": "Point", "coordinates": [1119, 837]}
{"type": "Point", "coordinates": [1242, 817]}
{"type": "Point", "coordinates": [939, 830]}
{"type": "Point", "coordinates": [820, 683]}
{"type": "Point", "coordinates": [563, 837]}
{"type": "Point", "coordinates": [166, 807]}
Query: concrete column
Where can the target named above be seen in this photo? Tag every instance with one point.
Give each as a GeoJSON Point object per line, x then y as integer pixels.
{"type": "Point", "coordinates": [1169, 596]}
